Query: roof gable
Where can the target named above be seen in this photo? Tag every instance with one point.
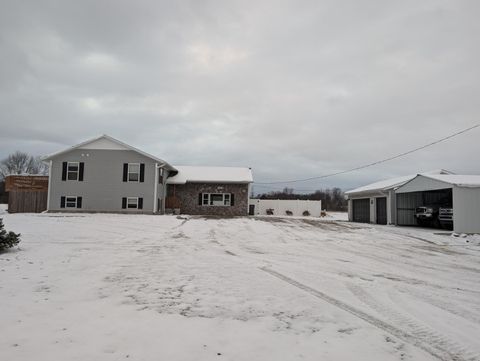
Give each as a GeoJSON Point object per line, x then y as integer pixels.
{"type": "Point", "coordinates": [460, 180]}
{"type": "Point", "coordinates": [105, 142]}
{"type": "Point", "coordinates": [394, 183]}
{"type": "Point", "coordinates": [421, 183]}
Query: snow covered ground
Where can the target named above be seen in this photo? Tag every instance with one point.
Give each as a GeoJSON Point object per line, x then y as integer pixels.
{"type": "Point", "coordinates": [114, 287]}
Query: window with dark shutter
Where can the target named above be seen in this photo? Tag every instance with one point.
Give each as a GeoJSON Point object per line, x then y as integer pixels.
{"type": "Point", "coordinates": [80, 172]}
{"type": "Point", "coordinates": [125, 172]}
{"type": "Point", "coordinates": [71, 202]}
{"type": "Point", "coordinates": [124, 202]}
{"type": "Point", "coordinates": [142, 172]}
{"type": "Point", "coordinates": [79, 202]}
{"type": "Point", "coordinates": [64, 171]}
{"type": "Point", "coordinates": [73, 170]}
{"type": "Point", "coordinates": [62, 202]}
{"type": "Point", "coordinates": [140, 203]}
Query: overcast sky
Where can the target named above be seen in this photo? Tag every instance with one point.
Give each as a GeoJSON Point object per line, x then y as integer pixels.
{"type": "Point", "coordinates": [293, 89]}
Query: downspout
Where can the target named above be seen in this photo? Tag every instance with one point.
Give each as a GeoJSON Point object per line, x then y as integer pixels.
{"type": "Point", "coordinates": [164, 190]}
{"type": "Point", "coordinates": [49, 184]}
{"type": "Point", "coordinates": [155, 190]}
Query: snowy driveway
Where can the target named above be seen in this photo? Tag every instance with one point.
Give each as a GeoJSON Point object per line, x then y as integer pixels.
{"type": "Point", "coordinates": [114, 287]}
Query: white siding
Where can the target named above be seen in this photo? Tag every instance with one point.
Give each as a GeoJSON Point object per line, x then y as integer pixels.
{"type": "Point", "coordinates": [373, 213]}
{"type": "Point", "coordinates": [297, 207]}
{"type": "Point", "coordinates": [105, 144]}
{"type": "Point", "coordinates": [350, 210]}
{"type": "Point", "coordinates": [421, 184]}
{"type": "Point", "coordinates": [466, 210]}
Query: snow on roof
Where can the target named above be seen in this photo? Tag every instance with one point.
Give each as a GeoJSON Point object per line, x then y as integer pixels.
{"type": "Point", "coordinates": [394, 182]}
{"type": "Point", "coordinates": [211, 175]}
{"type": "Point", "coordinates": [110, 139]}
{"type": "Point", "coordinates": [459, 180]}
{"type": "Point", "coordinates": [383, 185]}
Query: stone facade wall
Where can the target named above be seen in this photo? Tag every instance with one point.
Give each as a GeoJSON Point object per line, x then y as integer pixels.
{"type": "Point", "coordinates": [188, 196]}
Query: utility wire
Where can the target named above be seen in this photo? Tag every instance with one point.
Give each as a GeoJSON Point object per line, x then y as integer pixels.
{"type": "Point", "coordinates": [377, 162]}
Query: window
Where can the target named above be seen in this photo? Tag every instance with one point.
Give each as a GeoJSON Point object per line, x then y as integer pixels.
{"type": "Point", "coordinates": [132, 202]}
{"type": "Point", "coordinates": [216, 199]}
{"type": "Point", "coordinates": [71, 202]}
{"type": "Point", "coordinates": [73, 170]}
{"type": "Point", "coordinates": [133, 172]}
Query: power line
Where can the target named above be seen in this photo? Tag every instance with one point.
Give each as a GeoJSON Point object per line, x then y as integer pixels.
{"type": "Point", "coordinates": [377, 162]}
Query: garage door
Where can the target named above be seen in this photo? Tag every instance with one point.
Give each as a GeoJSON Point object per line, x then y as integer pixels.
{"type": "Point", "coordinates": [361, 210]}
{"type": "Point", "coordinates": [381, 204]}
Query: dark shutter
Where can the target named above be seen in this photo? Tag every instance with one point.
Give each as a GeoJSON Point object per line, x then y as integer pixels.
{"type": "Point", "coordinates": [80, 172]}
{"type": "Point", "coordinates": [232, 199]}
{"type": "Point", "coordinates": [124, 202]}
{"type": "Point", "coordinates": [125, 172]}
{"type": "Point", "coordinates": [140, 203]}
{"type": "Point", "coordinates": [64, 171]}
{"type": "Point", "coordinates": [62, 202]}
{"type": "Point", "coordinates": [79, 202]}
{"type": "Point", "coordinates": [142, 172]}
{"type": "Point", "coordinates": [200, 199]}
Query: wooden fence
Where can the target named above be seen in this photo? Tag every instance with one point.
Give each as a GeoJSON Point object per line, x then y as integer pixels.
{"type": "Point", "coordinates": [26, 193]}
{"type": "Point", "coordinates": [27, 201]}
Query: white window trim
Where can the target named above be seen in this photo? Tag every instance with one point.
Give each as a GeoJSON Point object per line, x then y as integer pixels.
{"type": "Point", "coordinates": [78, 170]}
{"type": "Point", "coordinates": [128, 173]}
{"type": "Point", "coordinates": [208, 199]}
{"type": "Point", "coordinates": [66, 201]}
{"type": "Point", "coordinates": [136, 199]}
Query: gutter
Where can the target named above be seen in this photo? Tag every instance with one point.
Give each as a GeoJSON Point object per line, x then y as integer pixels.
{"type": "Point", "coordinates": [155, 189]}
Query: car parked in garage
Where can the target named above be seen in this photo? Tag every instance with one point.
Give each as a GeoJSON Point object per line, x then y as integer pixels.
{"type": "Point", "coordinates": [427, 215]}
{"type": "Point", "coordinates": [435, 216]}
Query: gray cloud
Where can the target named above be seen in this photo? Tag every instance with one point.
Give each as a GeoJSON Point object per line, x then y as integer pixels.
{"type": "Point", "coordinates": [292, 89]}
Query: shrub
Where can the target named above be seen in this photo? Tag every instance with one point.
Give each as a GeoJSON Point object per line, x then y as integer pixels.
{"type": "Point", "coordinates": [289, 213]}
{"type": "Point", "coordinates": [270, 211]}
{"type": "Point", "coordinates": [7, 240]}
{"type": "Point", "coordinates": [306, 213]}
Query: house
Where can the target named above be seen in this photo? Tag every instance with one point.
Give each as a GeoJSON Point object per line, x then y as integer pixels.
{"type": "Point", "coordinates": [106, 175]}
{"type": "Point", "coordinates": [395, 201]}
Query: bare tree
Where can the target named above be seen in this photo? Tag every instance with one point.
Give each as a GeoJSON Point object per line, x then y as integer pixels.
{"type": "Point", "coordinates": [22, 163]}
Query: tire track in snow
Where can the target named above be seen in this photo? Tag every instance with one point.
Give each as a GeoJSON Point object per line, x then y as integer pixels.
{"type": "Point", "coordinates": [446, 306]}
{"type": "Point", "coordinates": [421, 338]}
{"type": "Point", "coordinates": [415, 328]}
